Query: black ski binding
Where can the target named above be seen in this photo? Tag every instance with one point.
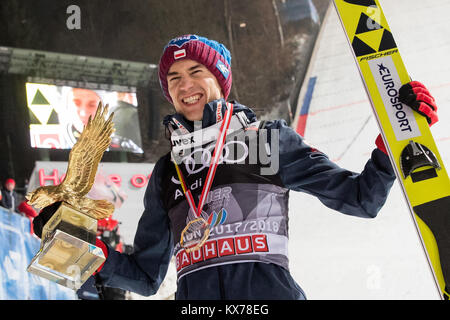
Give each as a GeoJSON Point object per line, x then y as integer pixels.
{"type": "Point", "coordinates": [416, 155]}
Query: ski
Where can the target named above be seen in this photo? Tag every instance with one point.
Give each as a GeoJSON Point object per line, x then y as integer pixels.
{"type": "Point", "coordinates": [406, 134]}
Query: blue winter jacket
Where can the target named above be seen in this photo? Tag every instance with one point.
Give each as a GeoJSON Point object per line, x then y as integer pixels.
{"type": "Point", "coordinates": [301, 168]}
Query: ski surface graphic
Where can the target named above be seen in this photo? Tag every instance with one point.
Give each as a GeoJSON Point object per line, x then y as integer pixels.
{"type": "Point", "coordinates": [408, 139]}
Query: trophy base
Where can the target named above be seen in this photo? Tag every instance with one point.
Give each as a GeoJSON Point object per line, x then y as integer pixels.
{"type": "Point", "coordinates": [71, 221]}
{"type": "Point", "coordinates": [66, 260]}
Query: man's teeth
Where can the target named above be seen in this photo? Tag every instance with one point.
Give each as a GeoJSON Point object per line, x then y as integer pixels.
{"type": "Point", "coordinates": [192, 99]}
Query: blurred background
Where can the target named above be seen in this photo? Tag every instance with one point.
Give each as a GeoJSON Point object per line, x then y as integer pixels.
{"type": "Point", "coordinates": [120, 43]}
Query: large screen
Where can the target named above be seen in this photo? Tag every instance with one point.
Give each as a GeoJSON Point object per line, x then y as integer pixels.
{"type": "Point", "coordinates": [59, 113]}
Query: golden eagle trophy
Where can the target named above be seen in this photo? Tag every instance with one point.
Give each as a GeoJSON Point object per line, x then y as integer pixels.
{"type": "Point", "coordinates": [68, 255]}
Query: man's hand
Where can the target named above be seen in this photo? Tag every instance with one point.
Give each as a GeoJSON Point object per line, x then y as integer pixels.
{"type": "Point", "coordinates": [43, 217]}
{"type": "Point", "coordinates": [416, 96]}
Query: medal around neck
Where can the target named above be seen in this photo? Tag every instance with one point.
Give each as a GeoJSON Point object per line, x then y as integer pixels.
{"type": "Point", "coordinates": [197, 231]}
{"type": "Point", "coordinates": [68, 255]}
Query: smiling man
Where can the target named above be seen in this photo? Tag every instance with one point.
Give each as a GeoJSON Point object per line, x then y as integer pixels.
{"type": "Point", "coordinates": [192, 86]}
{"type": "Point", "coordinates": [224, 218]}
{"type": "Point", "coordinates": [244, 255]}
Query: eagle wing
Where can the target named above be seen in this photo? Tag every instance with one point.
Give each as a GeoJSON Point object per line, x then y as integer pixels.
{"type": "Point", "coordinates": [87, 153]}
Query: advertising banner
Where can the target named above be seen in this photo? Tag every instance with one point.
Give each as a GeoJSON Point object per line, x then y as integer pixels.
{"type": "Point", "coordinates": [17, 249]}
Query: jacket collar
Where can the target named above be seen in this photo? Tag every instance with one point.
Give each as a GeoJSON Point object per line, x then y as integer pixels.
{"type": "Point", "coordinates": [209, 115]}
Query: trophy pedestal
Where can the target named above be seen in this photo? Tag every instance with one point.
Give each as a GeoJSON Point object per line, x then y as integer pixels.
{"type": "Point", "coordinates": [68, 255]}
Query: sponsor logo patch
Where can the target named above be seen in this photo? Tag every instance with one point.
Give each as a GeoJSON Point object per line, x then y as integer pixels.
{"type": "Point", "coordinates": [180, 41]}
{"type": "Point", "coordinates": [222, 247]}
{"type": "Point", "coordinates": [223, 69]}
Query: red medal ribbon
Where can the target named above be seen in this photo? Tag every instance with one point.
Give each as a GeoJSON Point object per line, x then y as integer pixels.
{"type": "Point", "coordinates": [212, 168]}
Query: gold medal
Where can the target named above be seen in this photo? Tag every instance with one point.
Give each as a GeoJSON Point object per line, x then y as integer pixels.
{"type": "Point", "coordinates": [195, 234]}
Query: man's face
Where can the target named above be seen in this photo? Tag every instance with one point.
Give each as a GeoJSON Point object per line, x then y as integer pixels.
{"type": "Point", "coordinates": [191, 85]}
{"type": "Point", "coordinates": [10, 186]}
{"type": "Point", "coordinates": [86, 102]}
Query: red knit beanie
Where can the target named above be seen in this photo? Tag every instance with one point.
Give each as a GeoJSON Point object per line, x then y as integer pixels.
{"type": "Point", "coordinates": [212, 54]}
